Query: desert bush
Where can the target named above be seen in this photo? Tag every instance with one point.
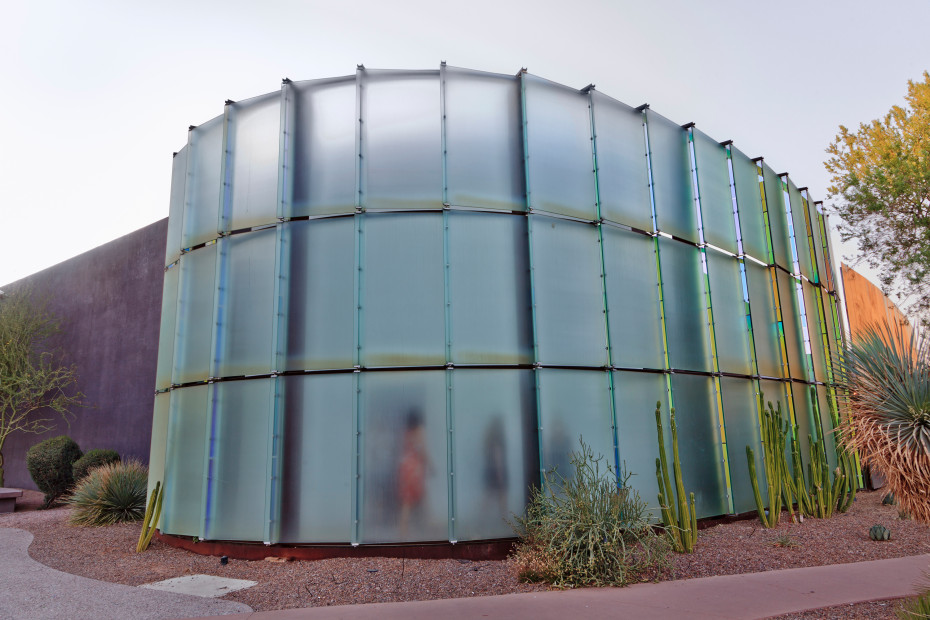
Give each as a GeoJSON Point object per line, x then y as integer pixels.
{"type": "Point", "coordinates": [918, 606]}
{"type": "Point", "coordinates": [49, 463]}
{"type": "Point", "coordinates": [589, 530]}
{"type": "Point", "coordinates": [111, 493]}
{"type": "Point", "coordinates": [92, 459]}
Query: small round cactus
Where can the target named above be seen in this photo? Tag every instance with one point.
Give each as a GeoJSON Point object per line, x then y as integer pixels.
{"type": "Point", "coordinates": [879, 532]}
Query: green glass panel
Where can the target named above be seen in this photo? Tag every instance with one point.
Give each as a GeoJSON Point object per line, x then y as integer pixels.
{"type": "Point", "coordinates": [570, 322]}
{"type": "Point", "coordinates": [814, 219]}
{"type": "Point", "coordinates": [622, 174]}
{"type": "Point", "coordinates": [319, 451]}
{"type": "Point", "coordinates": [184, 462]}
{"type": "Point", "coordinates": [699, 446]}
{"type": "Point", "coordinates": [632, 299]}
{"type": "Point", "coordinates": [799, 226]}
{"type": "Point", "coordinates": [808, 424]}
{"type": "Point", "coordinates": [484, 140]}
{"type": "Point", "coordinates": [749, 203]}
{"type": "Point", "coordinates": [489, 289]}
{"type": "Point", "coordinates": [831, 334]}
{"type": "Point", "coordinates": [813, 328]}
{"type": "Point", "coordinates": [714, 186]}
{"type": "Point", "coordinates": [791, 321]}
{"type": "Point", "coordinates": [321, 302]}
{"type": "Point", "coordinates": [204, 185]}
{"type": "Point", "coordinates": [159, 442]}
{"type": "Point", "coordinates": [253, 139]}
{"type": "Point", "coordinates": [731, 331]}
{"type": "Point", "coordinates": [686, 325]}
{"type": "Point", "coordinates": [560, 165]}
{"type": "Point", "coordinates": [671, 177]}
{"type": "Point", "coordinates": [778, 217]}
{"type": "Point", "coordinates": [826, 422]}
{"type": "Point", "coordinates": [166, 333]}
{"type": "Point", "coordinates": [176, 205]}
{"type": "Point", "coordinates": [741, 415]}
{"type": "Point", "coordinates": [196, 290]}
{"type": "Point", "coordinates": [496, 459]}
{"type": "Point", "coordinates": [403, 315]}
{"type": "Point", "coordinates": [403, 465]}
{"type": "Point", "coordinates": [764, 320]}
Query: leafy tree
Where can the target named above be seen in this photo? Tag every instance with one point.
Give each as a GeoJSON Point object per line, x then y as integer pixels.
{"type": "Point", "coordinates": [881, 187]}
{"type": "Point", "coordinates": [35, 386]}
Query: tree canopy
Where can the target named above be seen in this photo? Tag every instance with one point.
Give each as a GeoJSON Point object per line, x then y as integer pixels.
{"type": "Point", "coordinates": [880, 187]}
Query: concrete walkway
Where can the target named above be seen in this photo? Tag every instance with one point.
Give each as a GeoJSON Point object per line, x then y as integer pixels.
{"type": "Point", "coordinates": [32, 590]}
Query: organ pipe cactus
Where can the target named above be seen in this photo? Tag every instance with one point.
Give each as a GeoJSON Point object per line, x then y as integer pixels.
{"type": "Point", "coordinates": [149, 524]}
{"type": "Point", "coordinates": [680, 521]}
{"type": "Point", "coordinates": [773, 456]}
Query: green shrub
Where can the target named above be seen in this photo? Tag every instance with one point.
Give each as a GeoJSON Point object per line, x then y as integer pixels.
{"type": "Point", "coordinates": [111, 493]}
{"type": "Point", "coordinates": [49, 463]}
{"type": "Point", "coordinates": [590, 530]}
{"type": "Point", "coordinates": [91, 459]}
{"type": "Point", "coordinates": [918, 606]}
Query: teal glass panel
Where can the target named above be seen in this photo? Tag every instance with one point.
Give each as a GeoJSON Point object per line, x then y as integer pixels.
{"type": "Point", "coordinates": [622, 173]}
{"type": "Point", "coordinates": [319, 452]}
{"type": "Point", "coordinates": [826, 422]}
{"type": "Point", "coordinates": [159, 442]}
{"type": "Point", "coordinates": [495, 450]}
{"type": "Point", "coordinates": [574, 405]}
{"type": "Point", "coordinates": [741, 416]}
{"type": "Point", "coordinates": [799, 226]}
{"type": "Point", "coordinates": [321, 302]}
{"type": "Point", "coordinates": [193, 348]}
{"type": "Point", "coordinates": [632, 299]}
{"type": "Point", "coordinates": [635, 397]}
{"type": "Point", "coordinates": [489, 289]}
{"type": "Point", "coordinates": [401, 140]}
{"type": "Point", "coordinates": [204, 185]}
{"type": "Point", "coordinates": [714, 187]}
{"type": "Point", "coordinates": [253, 139]}
{"type": "Point", "coordinates": [671, 177]}
{"type": "Point", "coordinates": [403, 465]}
{"type": "Point", "coordinates": [176, 205]}
{"type": "Point", "coordinates": [238, 475]}
{"type": "Point", "coordinates": [778, 217]}
{"type": "Point", "coordinates": [791, 321]}
{"type": "Point", "coordinates": [166, 333]}
{"type": "Point", "coordinates": [686, 321]}
{"type": "Point", "coordinates": [731, 332]}
{"type": "Point", "coordinates": [764, 320]}
{"type": "Point", "coordinates": [324, 122]}
{"type": "Point", "coordinates": [182, 510]}
{"type": "Point", "coordinates": [403, 317]}
{"type": "Point", "coordinates": [247, 312]}
{"type": "Point", "coordinates": [484, 140]}
{"type": "Point", "coordinates": [701, 453]}
{"type": "Point", "coordinates": [570, 322]}
{"type": "Point", "coordinates": [560, 164]}
{"type": "Point", "coordinates": [749, 204]}
{"type": "Point", "coordinates": [813, 328]}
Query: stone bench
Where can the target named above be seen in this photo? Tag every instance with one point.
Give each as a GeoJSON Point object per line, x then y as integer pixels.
{"type": "Point", "coordinates": [8, 499]}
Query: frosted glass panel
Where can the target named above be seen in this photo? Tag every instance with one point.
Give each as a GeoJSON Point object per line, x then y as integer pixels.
{"type": "Point", "coordinates": [791, 320]}
{"type": "Point", "coordinates": [204, 185]}
{"type": "Point", "coordinates": [193, 347]}
{"type": "Point", "coordinates": [714, 185]}
{"type": "Point", "coordinates": [799, 224]}
{"type": "Point", "coordinates": [184, 461]}
{"type": "Point", "coordinates": [321, 313]}
{"type": "Point", "coordinates": [741, 414]}
{"type": "Point", "coordinates": [686, 321]}
{"type": "Point", "coordinates": [764, 320]}
{"type": "Point", "coordinates": [166, 333]}
{"type": "Point", "coordinates": [159, 440]}
{"type": "Point", "coordinates": [403, 318]}
{"type": "Point", "coordinates": [731, 330]}
{"type": "Point", "coordinates": [826, 421]}
{"type": "Point", "coordinates": [818, 241]}
{"type": "Point", "coordinates": [247, 304]}
{"type": "Point", "coordinates": [401, 140]}
{"type": "Point", "coordinates": [176, 206]}
{"type": "Point", "coordinates": [484, 140]}
{"type": "Point", "coordinates": [808, 425]}
{"type": "Point", "coordinates": [632, 299]}
{"type": "Point", "coordinates": [574, 404]}
{"type": "Point", "coordinates": [495, 450]}
{"type": "Point", "coordinates": [239, 473]}
{"type": "Point", "coordinates": [489, 288]}
{"type": "Point", "coordinates": [319, 451]}
{"type": "Point", "coordinates": [324, 122]}
{"type": "Point", "coordinates": [671, 177]}
{"type": "Point", "coordinates": [811, 294]}
{"type": "Point", "coordinates": [749, 202]}
{"type": "Point", "coordinates": [622, 174]}
{"type": "Point", "coordinates": [701, 453]}
{"type": "Point", "coordinates": [404, 457]}
{"type": "Point", "coordinates": [560, 164]}
{"type": "Point", "coordinates": [778, 217]}
{"type": "Point", "coordinates": [254, 137]}
{"type": "Point", "coordinates": [570, 321]}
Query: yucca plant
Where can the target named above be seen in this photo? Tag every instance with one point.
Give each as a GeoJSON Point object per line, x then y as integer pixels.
{"type": "Point", "coordinates": [888, 377]}
{"type": "Point", "coordinates": [112, 493]}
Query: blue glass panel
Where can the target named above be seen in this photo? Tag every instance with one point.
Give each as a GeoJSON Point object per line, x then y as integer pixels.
{"type": "Point", "coordinates": [764, 320]}
{"type": "Point", "coordinates": [729, 308]}
{"type": "Point", "coordinates": [686, 321]}
{"type": "Point", "coordinates": [193, 347]}
{"type": "Point", "coordinates": [671, 177]}
{"type": "Point", "coordinates": [714, 186]}
{"type": "Point", "coordinates": [778, 217]}
{"type": "Point", "coordinates": [749, 202]}
{"type": "Point", "coordinates": [176, 206]}
{"type": "Point", "coordinates": [203, 192]}
{"type": "Point", "coordinates": [741, 414]}
{"type": "Point", "coordinates": [184, 462]}
{"type": "Point", "coordinates": [253, 139]}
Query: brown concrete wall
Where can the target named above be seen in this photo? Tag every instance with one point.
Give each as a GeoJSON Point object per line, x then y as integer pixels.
{"type": "Point", "coordinates": [109, 303]}
{"type": "Point", "coordinates": [866, 305]}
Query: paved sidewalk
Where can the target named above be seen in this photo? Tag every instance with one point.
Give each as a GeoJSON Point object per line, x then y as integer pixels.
{"type": "Point", "coordinates": [32, 590]}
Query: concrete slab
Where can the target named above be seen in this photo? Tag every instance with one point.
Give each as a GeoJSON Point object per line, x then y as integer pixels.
{"type": "Point", "coordinates": [207, 586]}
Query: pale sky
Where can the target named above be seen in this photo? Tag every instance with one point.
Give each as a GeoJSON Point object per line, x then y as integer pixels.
{"type": "Point", "coordinates": [96, 95]}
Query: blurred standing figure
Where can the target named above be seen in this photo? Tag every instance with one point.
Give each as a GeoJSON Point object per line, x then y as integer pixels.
{"type": "Point", "coordinates": [412, 469]}
{"type": "Point", "coordinates": [495, 468]}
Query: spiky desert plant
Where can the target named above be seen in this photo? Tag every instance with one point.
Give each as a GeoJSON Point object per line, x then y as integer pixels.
{"type": "Point", "coordinates": [888, 376]}
{"type": "Point", "coordinates": [111, 493]}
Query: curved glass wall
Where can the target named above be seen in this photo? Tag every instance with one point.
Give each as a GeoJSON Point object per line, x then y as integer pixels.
{"type": "Point", "coordinates": [392, 300]}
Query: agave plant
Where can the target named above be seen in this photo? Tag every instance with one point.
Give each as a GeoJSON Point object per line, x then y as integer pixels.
{"type": "Point", "coordinates": [111, 493]}
{"type": "Point", "coordinates": [888, 376]}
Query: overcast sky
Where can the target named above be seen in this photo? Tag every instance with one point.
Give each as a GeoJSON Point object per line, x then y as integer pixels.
{"type": "Point", "coordinates": [97, 95]}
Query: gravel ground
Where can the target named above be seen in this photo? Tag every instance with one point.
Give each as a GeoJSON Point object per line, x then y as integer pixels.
{"type": "Point", "coordinates": [743, 546]}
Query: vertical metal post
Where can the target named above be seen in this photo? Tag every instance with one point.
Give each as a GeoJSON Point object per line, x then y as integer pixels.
{"type": "Point", "coordinates": [357, 466]}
